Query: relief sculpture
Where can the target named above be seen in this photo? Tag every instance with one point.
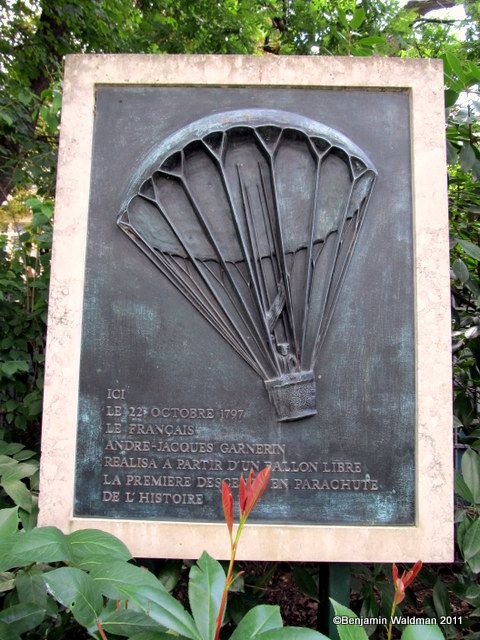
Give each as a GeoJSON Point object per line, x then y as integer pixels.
{"type": "Point", "coordinates": [253, 216]}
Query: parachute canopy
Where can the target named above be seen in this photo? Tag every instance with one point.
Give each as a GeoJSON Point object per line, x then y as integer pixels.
{"type": "Point", "coordinates": [254, 215]}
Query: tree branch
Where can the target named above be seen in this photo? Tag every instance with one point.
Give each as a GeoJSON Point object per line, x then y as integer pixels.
{"type": "Point", "coordinates": [434, 21]}
{"type": "Point", "coordinates": [423, 7]}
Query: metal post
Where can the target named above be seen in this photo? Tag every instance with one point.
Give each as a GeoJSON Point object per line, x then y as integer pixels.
{"type": "Point", "coordinates": [334, 582]}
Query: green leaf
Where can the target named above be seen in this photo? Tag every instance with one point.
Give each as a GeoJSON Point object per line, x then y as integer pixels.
{"type": "Point", "coordinates": [440, 599]}
{"type": "Point", "coordinates": [471, 546]}
{"type": "Point", "coordinates": [86, 543]}
{"type": "Point", "coordinates": [7, 543]}
{"type": "Point", "coordinates": [473, 287]}
{"type": "Point", "coordinates": [462, 529]}
{"type": "Point", "coordinates": [12, 448]}
{"type": "Point", "coordinates": [45, 544]}
{"type": "Point", "coordinates": [30, 587]}
{"type": "Point", "coordinates": [461, 488]}
{"type": "Point", "coordinates": [7, 581]}
{"type": "Point", "coordinates": [29, 518]}
{"type": "Point", "coordinates": [126, 623]}
{"type": "Point", "coordinates": [342, 17]}
{"type": "Point", "coordinates": [205, 590]}
{"type": "Point", "coordinates": [348, 631]}
{"type": "Point", "coordinates": [155, 635]}
{"type": "Point", "coordinates": [20, 471]}
{"type": "Point", "coordinates": [6, 463]}
{"type": "Point", "coordinates": [459, 516]}
{"type": "Point", "coordinates": [473, 71]}
{"type": "Point", "coordinates": [305, 582]}
{"type": "Point", "coordinates": [7, 632]}
{"type": "Point", "coordinates": [92, 563]}
{"type": "Point", "coordinates": [23, 617]}
{"type": "Point", "coordinates": [6, 118]}
{"type": "Point", "coordinates": [471, 473]}
{"type": "Point", "coordinates": [19, 493]}
{"type": "Point", "coordinates": [460, 271]}
{"type": "Point", "coordinates": [471, 249]}
{"type": "Point", "coordinates": [163, 608]}
{"type": "Point", "coordinates": [25, 454]}
{"type": "Point", "coordinates": [455, 64]}
{"type": "Point", "coordinates": [35, 481]}
{"type": "Point", "coordinates": [76, 590]}
{"type": "Point", "coordinates": [238, 582]}
{"type": "Point", "coordinates": [422, 632]}
{"type": "Point", "coordinates": [170, 573]}
{"type": "Point", "coordinates": [467, 157]}
{"type": "Point", "coordinates": [34, 203]}
{"type": "Point", "coordinates": [13, 366]}
{"type": "Point", "coordinates": [451, 97]}
{"type": "Point", "coordinates": [258, 620]}
{"type": "Point", "coordinates": [359, 16]}
{"type": "Point", "coordinates": [292, 633]}
{"type": "Point", "coordinates": [8, 521]}
{"type": "Point", "coordinates": [370, 41]}
{"type": "Point", "coordinates": [123, 581]}
{"type": "Point", "coordinates": [113, 577]}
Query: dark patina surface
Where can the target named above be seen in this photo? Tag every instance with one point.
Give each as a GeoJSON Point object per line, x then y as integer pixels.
{"type": "Point", "coordinates": [168, 406]}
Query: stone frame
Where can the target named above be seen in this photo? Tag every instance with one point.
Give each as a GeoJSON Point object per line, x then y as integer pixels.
{"type": "Point", "coordinates": [431, 539]}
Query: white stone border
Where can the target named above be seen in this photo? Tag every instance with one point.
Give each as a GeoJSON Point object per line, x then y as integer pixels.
{"type": "Point", "coordinates": [431, 539]}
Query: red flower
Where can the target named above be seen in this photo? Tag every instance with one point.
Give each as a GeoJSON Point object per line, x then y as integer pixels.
{"type": "Point", "coordinates": [251, 491]}
{"type": "Point", "coordinates": [400, 584]}
{"type": "Point", "coordinates": [227, 502]}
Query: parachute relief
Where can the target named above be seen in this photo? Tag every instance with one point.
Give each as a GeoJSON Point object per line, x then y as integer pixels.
{"type": "Point", "coordinates": [253, 216]}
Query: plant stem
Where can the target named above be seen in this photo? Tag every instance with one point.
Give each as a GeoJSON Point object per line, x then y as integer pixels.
{"type": "Point", "coordinates": [389, 634]}
{"type": "Point", "coordinates": [228, 581]}
{"type": "Point", "coordinates": [101, 631]}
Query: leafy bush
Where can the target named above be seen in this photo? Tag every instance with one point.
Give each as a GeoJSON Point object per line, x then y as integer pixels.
{"type": "Point", "coordinates": [107, 594]}
{"type": "Point", "coordinates": [24, 278]}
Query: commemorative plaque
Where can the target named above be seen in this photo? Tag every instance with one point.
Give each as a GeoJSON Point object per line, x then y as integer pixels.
{"type": "Point", "coordinates": [251, 270]}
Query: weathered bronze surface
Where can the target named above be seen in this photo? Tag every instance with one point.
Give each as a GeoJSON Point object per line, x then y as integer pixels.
{"type": "Point", "coordinates": [253, 216]}
{"type": "Point", "coordinates": [273, 321]}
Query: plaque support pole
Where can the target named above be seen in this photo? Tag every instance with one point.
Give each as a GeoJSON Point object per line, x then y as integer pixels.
{"type": "Point", "coordinates": [334, 582]}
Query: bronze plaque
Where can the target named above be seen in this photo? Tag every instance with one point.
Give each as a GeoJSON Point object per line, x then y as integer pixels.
{"type": "Point", "coordinates": [248, 300]}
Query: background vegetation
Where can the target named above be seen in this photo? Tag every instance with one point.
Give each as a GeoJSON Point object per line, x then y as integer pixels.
{"type": "Point", "coordinates": [35, 35]}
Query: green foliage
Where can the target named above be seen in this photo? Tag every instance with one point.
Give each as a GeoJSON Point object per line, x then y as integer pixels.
{"type": "Point", "coordinates": [306, 581]}
{"type": "Point", "coordinates": [422, 632]}
{"type": "Point", "coordinates": [205, 590]}
{"type": "Point", "coordinates": [77, 591]}
{"type": "Point", "coordinates": [290, 633]}
{"type": "Point", "coordinates": [260, 619]}
{"type": "Point", "coordinates": [24, 279]}
{"type": "Point", "coordinates": [26, 559]}
{"type": "Point", "coordinates": [18, 484]}
{"type": "Point", "coordinates": [462, 582]}
{"type": "Point", "coordinates": [170, 573]}
{"type": "Point", "coordinates": [248, 591]}
{"type": "Point", "coordinates": [35, 36]}
{"type": "Point", "coordinates": [109, 594]}
{"type": "Point", "coordinates": [461, 78]}
{"type": "Point", "coordinates": [354, 631]}
{"type": "Point", "coordinates": [20, 618]}
{"type": "Point", "coordinates": [468, 514]}
{"type": "Point", "coordinates": [348, 631]}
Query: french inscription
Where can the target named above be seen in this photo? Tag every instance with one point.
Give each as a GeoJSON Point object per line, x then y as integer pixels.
{"type": "Point", "coordinates": [154, 455]}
